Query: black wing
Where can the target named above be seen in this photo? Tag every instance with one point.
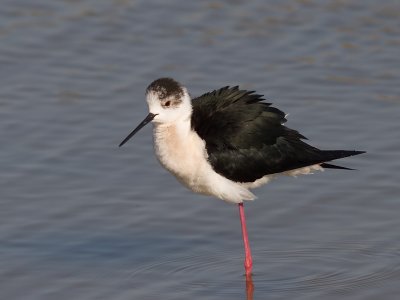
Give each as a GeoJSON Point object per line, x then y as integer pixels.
{"type": "Point", "coordinates": [246, 139]}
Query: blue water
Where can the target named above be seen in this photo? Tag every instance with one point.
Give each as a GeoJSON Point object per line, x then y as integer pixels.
{"type": "Point", "coordinates": [81, 218]}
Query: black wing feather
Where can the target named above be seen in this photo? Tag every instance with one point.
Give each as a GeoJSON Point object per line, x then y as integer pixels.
{"type": "Point", "coordinates": [246, 139]}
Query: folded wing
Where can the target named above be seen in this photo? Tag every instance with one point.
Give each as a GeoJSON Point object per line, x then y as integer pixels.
{"type": "Point", "coordinates": [246, 139]}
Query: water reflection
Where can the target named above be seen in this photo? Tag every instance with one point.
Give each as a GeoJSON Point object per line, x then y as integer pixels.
{"type": "Point", "coordinates": [249, 287]}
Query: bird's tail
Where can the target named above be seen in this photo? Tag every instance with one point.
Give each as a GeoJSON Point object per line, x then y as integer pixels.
{"type": "Point", "coordinates": [331, 166]}
{"type": "Point", "coordinates": [329, 155]}
{"type": "Point", "coordinates": [336, 154]}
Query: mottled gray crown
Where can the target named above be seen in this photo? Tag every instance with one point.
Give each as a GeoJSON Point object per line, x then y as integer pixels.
{"type": "Point", "coordinates": [166, 88]}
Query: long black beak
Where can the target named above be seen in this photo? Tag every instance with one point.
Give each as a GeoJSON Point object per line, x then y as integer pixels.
{"type": "Point", "coordinates": [148, 119]}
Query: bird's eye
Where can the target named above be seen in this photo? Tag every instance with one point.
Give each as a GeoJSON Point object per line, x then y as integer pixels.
{"type": "Point", "coordinates": [168, 103]}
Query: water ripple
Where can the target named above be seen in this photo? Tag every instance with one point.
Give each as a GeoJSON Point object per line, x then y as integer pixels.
{"type": "Point", "coordinates": [318, 268]}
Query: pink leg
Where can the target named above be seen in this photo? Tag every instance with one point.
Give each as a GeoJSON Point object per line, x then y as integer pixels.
{"type": "Point", "coordinates": [248, 261]}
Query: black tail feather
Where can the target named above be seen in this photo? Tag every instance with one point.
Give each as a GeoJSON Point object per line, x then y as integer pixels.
{"type": "Point", "coordinates": [337, 154]}
{"type": "Point", "coordinates": [330, 166]}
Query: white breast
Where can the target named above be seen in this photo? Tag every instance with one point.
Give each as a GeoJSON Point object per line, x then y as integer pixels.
{"type": "Point", "coordinates": [178, 151]}
{"type": "Point", "coordinates": [182, 152]}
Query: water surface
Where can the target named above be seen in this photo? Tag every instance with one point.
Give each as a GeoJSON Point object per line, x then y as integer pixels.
{"type": "Point", "coordinates": [81, 218]}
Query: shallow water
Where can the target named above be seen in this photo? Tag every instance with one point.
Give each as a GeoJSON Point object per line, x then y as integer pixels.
{"type": "Point", "coordinates": [81, 218]}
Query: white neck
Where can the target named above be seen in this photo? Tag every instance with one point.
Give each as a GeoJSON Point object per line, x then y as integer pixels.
{"type": "Point", "coordinates": [180, 127]}
{"type": "Point", "coordinates": [171, 144]}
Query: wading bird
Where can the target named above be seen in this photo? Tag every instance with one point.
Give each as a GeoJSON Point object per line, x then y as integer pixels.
{"type": "Point", "coordinates": [226, 142]}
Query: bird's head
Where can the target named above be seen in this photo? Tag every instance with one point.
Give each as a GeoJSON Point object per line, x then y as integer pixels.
{"type": "Point", "coordinates": [168, 102]}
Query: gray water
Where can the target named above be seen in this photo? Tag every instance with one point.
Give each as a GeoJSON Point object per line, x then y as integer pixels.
{"type": "Point", "coordinates": [81, 218]}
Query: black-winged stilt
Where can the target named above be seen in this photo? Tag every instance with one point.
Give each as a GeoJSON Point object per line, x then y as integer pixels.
{"type": "Point", "coordinates": [226, 142]}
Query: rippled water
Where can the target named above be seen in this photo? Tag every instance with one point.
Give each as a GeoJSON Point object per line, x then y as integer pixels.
{"type": "Point", "coordinates": [81, 218]}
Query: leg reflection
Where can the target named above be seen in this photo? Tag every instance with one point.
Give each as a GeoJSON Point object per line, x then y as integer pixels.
{"type": "Point", "coordinates": [249, 287]}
